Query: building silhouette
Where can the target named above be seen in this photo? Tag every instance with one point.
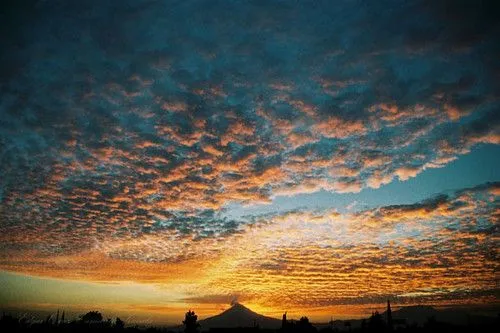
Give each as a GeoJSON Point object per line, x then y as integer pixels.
{"type": "Point", "coordinates": [389, 317]}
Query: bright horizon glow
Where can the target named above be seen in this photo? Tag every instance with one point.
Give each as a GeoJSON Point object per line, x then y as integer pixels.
{"type": "Point", "coordinates": [141, 303]}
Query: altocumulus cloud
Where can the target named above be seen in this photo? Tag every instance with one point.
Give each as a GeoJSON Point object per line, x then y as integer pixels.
{"type": "Point", "coordinates": [439, 251]}
{"type": "Point", "coordinates": [128, 123]}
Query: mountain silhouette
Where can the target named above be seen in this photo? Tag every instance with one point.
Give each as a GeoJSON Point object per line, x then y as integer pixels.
{"type": "Point", "coordinates": [239, 316]}
{"type": "Point", "coordinates": [419, 314]}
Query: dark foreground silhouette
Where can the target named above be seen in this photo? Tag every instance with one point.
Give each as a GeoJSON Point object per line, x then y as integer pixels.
{"type": "Point", "coordinates": [241, 319]}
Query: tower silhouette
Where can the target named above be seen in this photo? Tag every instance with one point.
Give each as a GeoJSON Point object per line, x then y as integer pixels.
{"type": "Point", "coordinates": [389, 316]}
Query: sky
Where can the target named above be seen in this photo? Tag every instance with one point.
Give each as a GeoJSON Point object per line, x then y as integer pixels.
{"type": "Point", "coordinates": [315, 157]}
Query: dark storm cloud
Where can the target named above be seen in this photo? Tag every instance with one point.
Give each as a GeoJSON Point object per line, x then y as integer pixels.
{"type": "Point", "coordinates": [134, 117]}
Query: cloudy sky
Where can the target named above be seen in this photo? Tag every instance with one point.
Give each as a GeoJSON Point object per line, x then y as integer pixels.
{"type": "Point", "coordinates": [311, 156]}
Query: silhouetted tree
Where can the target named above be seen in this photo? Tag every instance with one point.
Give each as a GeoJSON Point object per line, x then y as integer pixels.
{"type": "Point", "coordinates": [303, 325]}
{"type": "Point", "coordinates": [376, 322]}
{"type": "Point", "coordinates": [191, 322]}
{"type": "Point", "coordinates": [92, 316]}
{"type": "Point", "coordinates": [119, 324]}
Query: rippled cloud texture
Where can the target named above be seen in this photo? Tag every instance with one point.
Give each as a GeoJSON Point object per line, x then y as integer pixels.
{"type": "Point", "coordinates": [128, 129]}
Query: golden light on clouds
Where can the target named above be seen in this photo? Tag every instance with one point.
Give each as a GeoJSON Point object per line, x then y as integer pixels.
{"type": "Point", "coordinates": [320, 262]}
{"type": "Point", "coordinates": [319, 159]}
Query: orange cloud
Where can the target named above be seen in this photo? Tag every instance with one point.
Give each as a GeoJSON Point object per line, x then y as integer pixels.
{"type": "Point", "coordinates": [335, 127]}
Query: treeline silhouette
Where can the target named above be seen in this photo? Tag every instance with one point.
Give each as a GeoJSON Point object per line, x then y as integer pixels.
{"type": "Point", "coordinates": [93, 321]}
